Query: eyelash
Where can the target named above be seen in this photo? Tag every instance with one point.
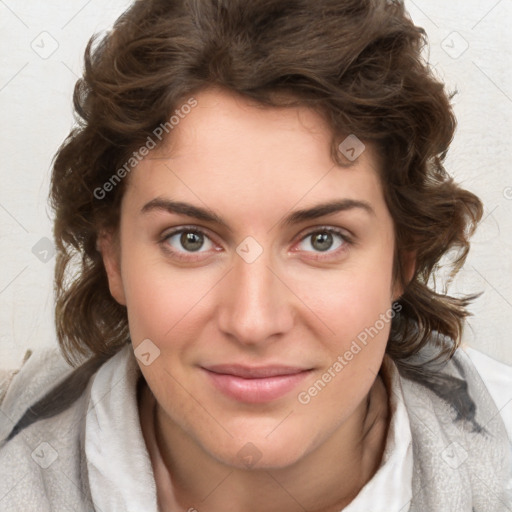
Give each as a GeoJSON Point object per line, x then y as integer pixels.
{"type": "Point", "coordinates": [179, 255]}
{"type": "Point", "coordinates": [347, 242]}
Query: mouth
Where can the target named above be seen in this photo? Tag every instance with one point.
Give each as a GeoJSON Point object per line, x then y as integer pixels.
{"type": "Point", "coordinates": [255, 384]}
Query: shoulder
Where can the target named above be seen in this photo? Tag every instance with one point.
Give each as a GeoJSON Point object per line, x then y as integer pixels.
{"type": "Point", "coordinates": [24, 386]}
{"type": "Point", "coordinates": [456, 424]}
{"type": "Point", "coordinates": [42, 465]}
{"type": "Point", "coordinates": [7, 374]}
{"type": "Point", "coordinates": [497, 378]}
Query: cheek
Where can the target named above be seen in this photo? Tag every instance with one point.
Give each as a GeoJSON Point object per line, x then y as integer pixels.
{"type": "Point", "coordinates": [164, 304]}
{"type": "Point", "coordinates": [167, 304]}
{"type": "Point", "coordinates": [358, 316]}
{"type": "Point", "coordinates": [352, 299]}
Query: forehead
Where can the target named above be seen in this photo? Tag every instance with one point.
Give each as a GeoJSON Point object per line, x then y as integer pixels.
{"type": "Point", "coordinates": [230, 149]}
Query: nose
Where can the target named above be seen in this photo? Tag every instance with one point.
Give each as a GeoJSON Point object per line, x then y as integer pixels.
{"type": "Point", "coordinates": [255, 305]}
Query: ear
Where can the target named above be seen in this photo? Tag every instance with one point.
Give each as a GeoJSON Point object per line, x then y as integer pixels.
{"type": "Point", "coordinates": [409, 267]}
{"type": "Point", "coordinates": [109, 247]}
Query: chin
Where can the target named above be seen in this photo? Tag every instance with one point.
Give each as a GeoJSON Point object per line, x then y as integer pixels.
{"type": "Point", "coordinates": [260, 454]}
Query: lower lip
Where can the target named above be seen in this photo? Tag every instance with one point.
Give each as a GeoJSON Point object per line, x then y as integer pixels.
{"type": "Point", "coordinates": [256, 391]}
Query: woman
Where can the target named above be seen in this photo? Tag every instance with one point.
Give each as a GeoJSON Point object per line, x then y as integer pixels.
{"type": "Point", "coordinates": [247, 218]}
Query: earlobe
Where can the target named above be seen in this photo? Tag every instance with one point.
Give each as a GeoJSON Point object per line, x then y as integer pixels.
{"type": "Point", "coordinates": [108, 246]}
{"type": "Point", "coordinates": [409, 265]}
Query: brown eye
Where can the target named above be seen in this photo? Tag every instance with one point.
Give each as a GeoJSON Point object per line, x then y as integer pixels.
{"type": "Point", "coordinates": [185, 241]}
{"type": "Point", "coordinates": [322, 241]}
{"type": "Point", "coordinates": [325, 240]}
{"type": "Point", "coordinates": [191, 241]}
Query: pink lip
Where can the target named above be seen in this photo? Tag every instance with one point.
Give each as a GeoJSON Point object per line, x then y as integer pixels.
{"type": "Point", "coordinates": [255, 384]}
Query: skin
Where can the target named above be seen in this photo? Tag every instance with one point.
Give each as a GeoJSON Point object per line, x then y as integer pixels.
{"type": "Point", "coordinates": [294, 305]}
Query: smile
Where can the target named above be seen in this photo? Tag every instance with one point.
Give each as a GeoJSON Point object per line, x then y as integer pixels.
{"type": "Point", "coordinates": [255, 385]}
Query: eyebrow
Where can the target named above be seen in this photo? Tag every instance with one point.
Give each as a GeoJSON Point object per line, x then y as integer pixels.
{"type": "Point", "coordinates": [328, 208]}
{"type": "Point", "coordinates": [206, 215]}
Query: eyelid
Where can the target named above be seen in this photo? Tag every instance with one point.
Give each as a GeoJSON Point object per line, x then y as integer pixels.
{"type": "Point", "coordinates": [347, 237]}
{"type": "Point", "coordinates": [184, 255]}
{"type": "Point", "coordinates": [191, 228]}
{"type": "Point", "coordinates": [344, 233]}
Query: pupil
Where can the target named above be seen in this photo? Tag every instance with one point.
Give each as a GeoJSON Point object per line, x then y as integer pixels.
{"type": "Point", "coordinates": [191, 241]}
{"type": "Point", "coordinates": [322, 241]}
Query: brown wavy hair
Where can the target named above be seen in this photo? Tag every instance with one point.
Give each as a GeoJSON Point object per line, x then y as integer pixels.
{"type": "Point", "coordinates": [356, 62]}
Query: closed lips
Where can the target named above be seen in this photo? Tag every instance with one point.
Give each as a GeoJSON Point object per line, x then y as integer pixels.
{"type": "Point", "coordinates": [262, 372]}
{"type": "Point", "coordinates": [255, 385]}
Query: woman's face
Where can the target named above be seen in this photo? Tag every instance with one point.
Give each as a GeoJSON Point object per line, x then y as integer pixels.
{"type": "Point", "coordinates": [257, 276]}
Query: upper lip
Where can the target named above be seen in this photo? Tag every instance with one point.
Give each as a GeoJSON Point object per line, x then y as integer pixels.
{"type": "Point", "coordinates": [255, 372]}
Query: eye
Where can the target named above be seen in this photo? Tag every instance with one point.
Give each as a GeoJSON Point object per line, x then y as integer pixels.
{"type": "Point", "coordinates": [326, 240]}
{"type": "Point", "coordinates": [188, 240]}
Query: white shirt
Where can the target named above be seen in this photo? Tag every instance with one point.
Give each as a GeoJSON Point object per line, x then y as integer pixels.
{"type": "Point", "coordinates": [120, 472]}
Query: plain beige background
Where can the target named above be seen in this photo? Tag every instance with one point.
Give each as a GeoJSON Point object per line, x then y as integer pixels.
{"type": "Point", "coordinates": [42, 46]}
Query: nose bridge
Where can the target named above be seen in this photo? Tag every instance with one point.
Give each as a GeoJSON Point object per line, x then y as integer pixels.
{"type": "Point", "coordinates": [255, 305]}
